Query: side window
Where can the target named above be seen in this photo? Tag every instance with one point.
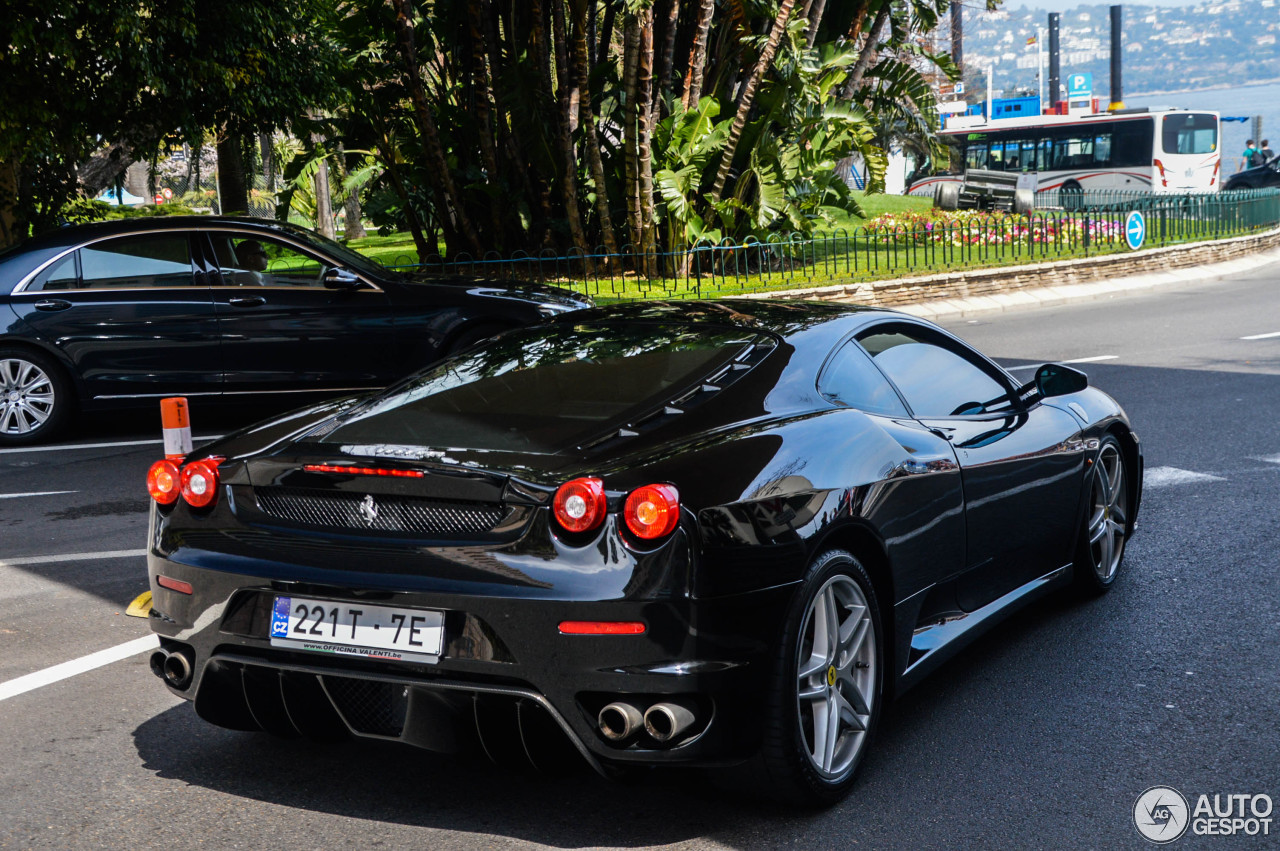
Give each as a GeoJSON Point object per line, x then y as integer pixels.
{"type": "Point", "coordinates": [933, 375]}
{"type": "Point", "coordinates": [250, 260]}
{"type": "Point", "coordinates": [60, 276]}
{"type": "Point", "coordinates": [851, 379]}
{"type": "Point", "coordinates": [1102, 149]}
{"type": "Point", "coordinates": [154, 260]}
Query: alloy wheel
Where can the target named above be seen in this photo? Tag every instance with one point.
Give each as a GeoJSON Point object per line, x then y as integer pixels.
{"type": "Point", "coordinates": [27, 396]}
{"type": "Point", "coordinates": [836, 676]}
{"type": "Point", "coordinates": [1108, 513]}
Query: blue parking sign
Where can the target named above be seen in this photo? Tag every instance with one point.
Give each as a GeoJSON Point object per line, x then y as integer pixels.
{"type": "Point", "coordinates": [1135, 230]}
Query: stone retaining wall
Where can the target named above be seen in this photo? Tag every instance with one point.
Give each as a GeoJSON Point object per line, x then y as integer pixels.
{"type": "Point", "coordinates": [1053, 273]}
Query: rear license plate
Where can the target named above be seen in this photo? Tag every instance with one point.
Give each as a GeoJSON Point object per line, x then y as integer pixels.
{"type": "Point", "coordinates": [357, 629]}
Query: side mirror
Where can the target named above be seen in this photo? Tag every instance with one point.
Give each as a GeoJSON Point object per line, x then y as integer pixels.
{"type": "Point", "coordinates": [1054, 379]}
{"type": "Point", "coordinates": [340, 279]}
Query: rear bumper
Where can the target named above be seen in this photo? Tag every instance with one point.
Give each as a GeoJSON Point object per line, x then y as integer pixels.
{"type": "Point", "coordinates": [503, 657]}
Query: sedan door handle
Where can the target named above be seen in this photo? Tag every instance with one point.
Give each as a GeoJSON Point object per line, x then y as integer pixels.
{"type": "Point", "coordinates": [247, 301]}
{"type": "Point", "coordinates": [52, 304]}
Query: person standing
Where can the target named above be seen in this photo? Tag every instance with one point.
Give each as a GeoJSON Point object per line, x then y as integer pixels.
{"type": "Point", "coordinates": [1267, 154]}
{"type": "Point", "coordinates": [1249, 153]}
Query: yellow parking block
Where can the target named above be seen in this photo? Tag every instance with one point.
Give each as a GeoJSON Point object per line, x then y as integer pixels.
{"type": "Point", "coordinates": [140, 607]}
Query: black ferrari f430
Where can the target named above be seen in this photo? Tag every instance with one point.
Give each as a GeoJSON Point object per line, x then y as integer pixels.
{"type": "Point", "coordinates": [698, 534]}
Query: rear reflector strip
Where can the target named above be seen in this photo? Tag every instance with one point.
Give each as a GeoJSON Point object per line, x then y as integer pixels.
{"type": "Point", "coordinates": [175, 585]}
{"type": "Point", "coordinates": [364, 471]}
{"type": "Point", "coordinates": [601, 628]}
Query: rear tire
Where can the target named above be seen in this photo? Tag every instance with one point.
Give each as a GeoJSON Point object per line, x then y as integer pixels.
{"type": "Point", "coordinates": [948, 197]}
{"type": "Point", "coordinates": [35, 396]}
{"type": "Point", "coordinates": [823, 706]}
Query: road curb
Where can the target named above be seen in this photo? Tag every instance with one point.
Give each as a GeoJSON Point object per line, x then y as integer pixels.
{"type": "Point", "coordinates": [972, 291]}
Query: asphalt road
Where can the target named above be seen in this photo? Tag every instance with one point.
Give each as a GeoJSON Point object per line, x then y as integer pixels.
{"type": "Point", "coordinates": [1043, 734]}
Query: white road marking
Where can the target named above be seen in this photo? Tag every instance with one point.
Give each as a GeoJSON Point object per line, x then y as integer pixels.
{"type": "Point", "coordinates": [1159, 477]}
{"type": "Point", "coordinates": [1262, 336]}
{"type": "Point", "coordinates": [71, 446]}
{"type": "Point", "coordinates": [18, 562]}
{"type": "Point", "coordinates": [48, 676]}
{"type": "Point", "coordinates": [1077, 360]}
{"type": "Point", "coordinates": [34, 493]}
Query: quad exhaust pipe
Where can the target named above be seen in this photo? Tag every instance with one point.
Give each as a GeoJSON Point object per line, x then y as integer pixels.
{"type": "Point", "coordinates": [666, 721]}
{"type": "Point", "coordinates": [174, 667]}
{"type": "Point", "coordinates": [620, 721]}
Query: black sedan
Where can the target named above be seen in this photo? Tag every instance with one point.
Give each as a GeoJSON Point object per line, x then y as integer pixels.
{"type": "Point", "coordinates": [700, 534]}
{"type": "Point", "coordinates": [124, 313]}
{"type": "Point", "coordinates": [1258, 177]}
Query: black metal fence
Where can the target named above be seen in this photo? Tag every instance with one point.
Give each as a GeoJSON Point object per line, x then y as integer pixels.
{"type": "Point", "coordinates": [1079, 225]}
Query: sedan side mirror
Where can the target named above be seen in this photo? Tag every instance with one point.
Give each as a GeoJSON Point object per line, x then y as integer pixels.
{"type": "Point", "coordinates": [1054, 379]}
{"type": "Point", "coordinates": [340, 279]}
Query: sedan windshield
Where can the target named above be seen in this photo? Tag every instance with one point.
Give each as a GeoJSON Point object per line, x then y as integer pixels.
{"type": "Point", "coordinates": [544, 390]}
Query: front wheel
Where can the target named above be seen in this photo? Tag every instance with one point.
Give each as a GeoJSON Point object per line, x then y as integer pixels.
{"type": "Point", "coordinates": [825, 702]}
{"type": "Point", "coordinates": [35, 398]}
{"type": "Point", "coordinates": [1106, 526]}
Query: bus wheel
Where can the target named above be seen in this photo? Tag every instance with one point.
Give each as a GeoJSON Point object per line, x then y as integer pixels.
{"type": "Point", "coordinates": [1071, 196]}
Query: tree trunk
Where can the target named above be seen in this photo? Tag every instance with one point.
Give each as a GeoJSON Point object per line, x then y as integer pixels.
{"type": "Point", "coordinates": [814, 13]}
{"type": "Point", "coordinates": [449, 202]}
{"type": "Point", "coordinates": [233, 188]}
{"type": "Point", "coordinates": [870, 49]}
{"type": "Point", "coordinates": [748, 97]}
{"type": "Point", "coordinates": [354, 228]}
{"type": "Point", "coordinates": [587, 121]}
{"type": "Point", "coordinates": [480, 105]}
{"type": "Point", "coordinates": [564, 115]}
{"type": "Point", "coordinates": [425, 248]}
{"type": "Point", "coordinates": [268, 160]}
{"type": "Point", "coordinates": [8, 205]}
{"type": "Point", "coordinates": [644, 134]}
{"type": "Point", "coordinates": [666, 59]}
{"type": "Point", "coordinates": [324, 200]}
{"type": "Point", "coordinates": [606, 34]}
{"type": "Point", "coordinates": [534, 188]}
{"type": "Point", "coordinates": [103, 169]}
{"type": "Point", "coordinates": [697, 55]}
{"type": "Point", "coordinates": [630, 143]}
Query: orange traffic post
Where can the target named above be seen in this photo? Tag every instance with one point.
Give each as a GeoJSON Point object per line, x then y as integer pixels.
{"type": "Point", "coordinates": [175, 420]}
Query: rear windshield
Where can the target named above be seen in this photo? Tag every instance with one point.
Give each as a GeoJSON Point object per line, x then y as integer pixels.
{"type": "Point", "coordinates": [1190, 133]}
{"type": "Point", "coordinates": [544, 390]}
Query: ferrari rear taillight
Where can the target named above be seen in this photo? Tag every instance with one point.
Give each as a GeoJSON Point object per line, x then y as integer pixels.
{"type": "Point", "coordinates": [652, 511]}
{"type": "Point", "coordinates": [163, 482]}
{"type": "Point", "coordinates": [200, 482]}
{"type": "Point", "coordinates": [580, 505]}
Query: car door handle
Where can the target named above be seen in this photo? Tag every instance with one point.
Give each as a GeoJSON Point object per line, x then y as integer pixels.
{"type": "Point", "coordinates": [247, 301]}
{"type": "Point", "coordinates": [52, 304]}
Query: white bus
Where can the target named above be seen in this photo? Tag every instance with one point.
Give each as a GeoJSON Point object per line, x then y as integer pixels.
{"type": "Point", "coordinates": [1141, 150]}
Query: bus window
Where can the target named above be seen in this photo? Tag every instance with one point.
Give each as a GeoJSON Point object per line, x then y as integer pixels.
{"type": "Point", "coordinates": [1131, 143]}
{"type": "Point", "coordinates": [976, 155]}
{"type": "Point", "coordinates": [996, 160]}
{"type": "Point", "coordinates": [1044, 155]}
{"type": "Point", "coordinates": [1102, 149]}
{"type": "Point", "coordinates": [1192, 133]}
{"type": "Point", "coordinates": [1028, 155]}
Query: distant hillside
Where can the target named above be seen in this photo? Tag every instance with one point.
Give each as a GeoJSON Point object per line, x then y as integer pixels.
{"type": "Point", "coordinates": [1166, 49]}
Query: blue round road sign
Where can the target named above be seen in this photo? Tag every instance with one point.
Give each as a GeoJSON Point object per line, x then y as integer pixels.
{"type": "Point", "coordinates": [1135, 230]}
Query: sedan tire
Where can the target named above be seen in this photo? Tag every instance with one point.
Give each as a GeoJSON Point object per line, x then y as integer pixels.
{"type": "Point", "coordinates": [1106, 522]}
{"type": "Point", "coordinates": [824, 704]}
{"type": "Point", "coordinates": [35, 396]}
